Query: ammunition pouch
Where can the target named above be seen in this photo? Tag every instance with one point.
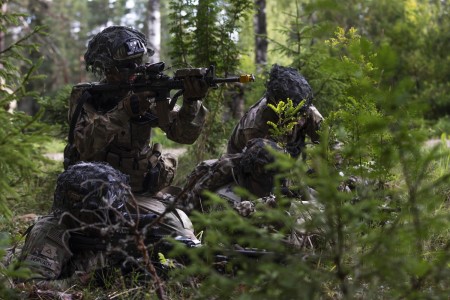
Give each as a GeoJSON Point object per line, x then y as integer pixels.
{"type": "Point", "coordinates": [160, 172]}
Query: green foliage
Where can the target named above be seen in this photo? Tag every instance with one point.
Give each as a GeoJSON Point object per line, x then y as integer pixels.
{"type": "Point", "coordinates": [410, 39]}
{"type": "Point", "coordinates": [56, 108]}
{"type": "Point", "coordinates": [21, 138]}
{"type": "Point", "coordinates": [292, 36]}
{"type": "Point", "coordinates": [287, 114]}
{"type": "Point", "coordinates": [385, 238]}
{"type": "Point", "coordinates": [7, 272]}
{"type": "Point", "coordinates": [202, 35]}
{"type": "Point", "coordinates": [442, 126]}
{"type": "Point", "coordinates": [21, 135]}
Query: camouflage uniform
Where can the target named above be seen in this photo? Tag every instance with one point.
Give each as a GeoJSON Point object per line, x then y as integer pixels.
{"type": "Point", "coordinates": [113, 128]}
{"type": "Point", "coordinates": [90, 199]}
{"type": "Point", "coordinates": [123, 142]}
{"type": "Point", "coordinates": [247, 169]}
{"type": "Point", "coordinates": [283, 83]}
{"type": "Point", "coordinates": [107, 128]}
{"type": "Point", "coordinates": [254, 125]}
{"type": "Point", "coordinates": [222, 175]}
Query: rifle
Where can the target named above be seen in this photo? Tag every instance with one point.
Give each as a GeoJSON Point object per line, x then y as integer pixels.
{"type": "Point", "coordinates": [123, 250]}
{"type": "Point", "coordinates": [150, 77]}
{"type": "Point", "coordinates": [121, 238]}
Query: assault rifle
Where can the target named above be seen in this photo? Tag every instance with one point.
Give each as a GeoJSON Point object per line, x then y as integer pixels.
{"type": "Point", "coordinates": [150, 77]}
{"type": "Point", "coordinates": [123, 250]}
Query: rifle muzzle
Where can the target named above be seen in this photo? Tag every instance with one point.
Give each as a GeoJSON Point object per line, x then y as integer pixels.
{"type": "Point", "coordinates": [246, 78]}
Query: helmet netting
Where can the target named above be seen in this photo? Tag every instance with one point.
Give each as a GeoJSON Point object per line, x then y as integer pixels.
{"type": "Point", "coordinates": [286, 82]}
{"type": "Point", "coordinates": [103, 47]}
{"type": "Point", "coordinates": [256, 156]}
{"type": "Point", "coordinates": [87, 189]}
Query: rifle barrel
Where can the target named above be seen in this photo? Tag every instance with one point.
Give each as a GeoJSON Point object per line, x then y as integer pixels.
{"type": "Point", "coordinates": [242, 79]}
{"type": "Point", "coordinates": [167, 84]}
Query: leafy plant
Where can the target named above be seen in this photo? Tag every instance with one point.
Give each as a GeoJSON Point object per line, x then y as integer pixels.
{"type": "Point", "coordinates": [380, 227]}
{"type": "Point", "coordinates": [287, 114]}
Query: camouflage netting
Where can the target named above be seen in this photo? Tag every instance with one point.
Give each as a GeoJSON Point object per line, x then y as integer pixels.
{"type": "Point", "coordinates": [286, 82]}
{"type": "Point", "coordinates": [257, 155]}
{"type": "Point", "coordinates": [105, 47]}
{"type": "Point", "coordinates": [254, 171]}
{"type": "Point", "coordinates": [91, 191]}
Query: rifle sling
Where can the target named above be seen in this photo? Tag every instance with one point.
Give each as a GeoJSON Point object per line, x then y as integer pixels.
{"type": "Point", "coordinates": [84, 97]}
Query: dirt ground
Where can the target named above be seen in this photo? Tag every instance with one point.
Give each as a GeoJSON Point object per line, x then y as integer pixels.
{"type": "Point", "coordinates": [432, 143]}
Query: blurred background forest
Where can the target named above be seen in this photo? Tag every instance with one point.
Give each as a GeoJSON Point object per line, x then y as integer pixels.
{"type": "Point", "coordinates": [380, 73]}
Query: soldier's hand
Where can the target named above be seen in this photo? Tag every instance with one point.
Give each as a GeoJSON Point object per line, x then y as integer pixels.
{"type": "Point", "coordinates": [138, 103]}
{"type": "Point", "coordinates": [244, 208]}
{"type": "Point", "coordinates": [194, 88]}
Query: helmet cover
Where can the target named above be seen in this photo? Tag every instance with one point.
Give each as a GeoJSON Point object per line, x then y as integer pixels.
{"type": "Point", "coordinates": [254, 173]}
{"type": "Point", "coordinates": [90, 192]}
{"type": "Point", "coordinates": [286, 82]}
{"type": "Point", "coordinates": [116, 46]}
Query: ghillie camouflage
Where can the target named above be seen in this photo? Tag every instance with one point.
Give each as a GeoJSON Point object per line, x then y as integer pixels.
{"type": "Point", "coordinates": [247, 169]}
{"type": "Point", "coordinates": [283, 83]}
{"type": "Point", "coordinates": [93, 201]}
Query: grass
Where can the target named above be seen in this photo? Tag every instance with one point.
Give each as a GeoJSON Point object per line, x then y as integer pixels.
{"type": "Point", "coordinates": [37, 197]}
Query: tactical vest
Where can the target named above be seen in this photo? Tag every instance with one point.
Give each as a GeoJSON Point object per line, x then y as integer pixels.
{"type": "Point", "coordinates": [129, 152]}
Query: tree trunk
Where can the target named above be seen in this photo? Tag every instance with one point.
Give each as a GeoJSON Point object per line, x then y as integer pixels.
{"type": "Point", "coordinates": [152, 28]}
{"type": "Point", "coordinates": [4, 8]}
{"type": "Point", "coordinates": [260, 34]}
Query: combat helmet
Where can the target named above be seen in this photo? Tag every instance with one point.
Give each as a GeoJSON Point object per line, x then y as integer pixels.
{"type": "Point", "coordinates": [116, 47]}
{"type": "Point", "coordinates": [287, 82]}
{"type": "Point", "coordinates": [254, 171]}
{"type": "Point", "coordinates": [89, 193]}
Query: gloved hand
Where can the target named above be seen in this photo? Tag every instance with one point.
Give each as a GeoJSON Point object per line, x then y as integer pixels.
{"type": "Point", "coordinates": [138, 103]}
{"type": "Point", "coordinates": [244, 208]}
{"type": "Point", "coordinates": [194, 88]}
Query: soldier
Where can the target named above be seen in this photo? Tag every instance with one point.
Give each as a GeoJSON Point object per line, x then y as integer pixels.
{"type": "Point", "coordinates": [283, 83]}
{"type": "Point", "coordinates": [251, 169]}
{"type": "Point", "coordinates": [247, 169]}
{"type": "Point", "coordinates": [115, 126]}
{"type": "Point", "coordinates": [86, 195]}
{"type": "Point", "coordinates": [91, 200]}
